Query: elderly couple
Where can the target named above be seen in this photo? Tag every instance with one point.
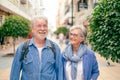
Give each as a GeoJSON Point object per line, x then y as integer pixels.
{"type": "Point", "coordinates": [41, 62]}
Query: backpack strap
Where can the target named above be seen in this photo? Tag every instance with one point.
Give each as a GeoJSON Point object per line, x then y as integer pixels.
{"type": "Point", "coordinates": [53, 48]}
{"type": "Point", "coordinates": [25, 50]}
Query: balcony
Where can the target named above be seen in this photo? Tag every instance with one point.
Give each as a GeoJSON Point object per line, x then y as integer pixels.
{"type": "Point", "coordinates": [8, 7]}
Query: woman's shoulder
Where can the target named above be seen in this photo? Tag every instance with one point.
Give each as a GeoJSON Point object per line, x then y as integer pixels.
{"type": "Point", "coordinates": [89, 52]}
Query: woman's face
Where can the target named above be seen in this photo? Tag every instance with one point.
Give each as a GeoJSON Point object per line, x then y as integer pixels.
{"type": "Point", "coordinates": [40, 29]}
{"type": "Point", "coordinates": [74, 37]}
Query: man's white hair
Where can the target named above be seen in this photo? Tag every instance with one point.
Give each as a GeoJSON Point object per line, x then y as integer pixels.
{"type": "Point", "coordinates": [36, 18]}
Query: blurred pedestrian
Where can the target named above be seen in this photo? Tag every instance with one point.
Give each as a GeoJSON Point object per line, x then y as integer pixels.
{"type": "Point", "coordinates": [79, 62]}
{"type": "Point", "coordinates": [67, 39]}
{"type": "Point", "coordinates": [29, 36]}
{"type": "Point", "coordinates": [43, 60]}
{"type": "Point", "coordinates": [61, 38]}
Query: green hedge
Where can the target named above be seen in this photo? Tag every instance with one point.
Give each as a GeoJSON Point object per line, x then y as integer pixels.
{"type": "Point", "coordinates": [105, 29]}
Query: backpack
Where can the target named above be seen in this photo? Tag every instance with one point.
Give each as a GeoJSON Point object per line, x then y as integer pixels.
{"type": "Point", "coordinates": [25, 49]}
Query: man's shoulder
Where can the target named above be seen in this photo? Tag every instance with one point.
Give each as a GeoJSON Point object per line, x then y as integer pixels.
{"type": "Point", "coordinates": [23, 43]}
{"type": "Point", "coordinates": [53, 43]}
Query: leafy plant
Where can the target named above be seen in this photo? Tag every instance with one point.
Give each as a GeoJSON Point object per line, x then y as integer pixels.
{"type": "Point", "coordinates": [63, 30]}
{"type": "Point", "coordinates": [15, 26]}
{"type": "Point", "coordinates": [1, 36]}
{"type": "Point", "coordinates": [105, 29]}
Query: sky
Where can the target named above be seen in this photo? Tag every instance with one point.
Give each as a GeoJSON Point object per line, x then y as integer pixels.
{"type": "Point", "coordinates": [51, 8]}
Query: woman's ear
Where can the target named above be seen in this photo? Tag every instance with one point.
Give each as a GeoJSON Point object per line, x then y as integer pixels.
{"type": "Point", "coordinates": [82, 39]}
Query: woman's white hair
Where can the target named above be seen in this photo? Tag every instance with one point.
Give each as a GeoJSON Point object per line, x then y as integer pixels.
{"type": "Point", "coordinates": [83, 29]}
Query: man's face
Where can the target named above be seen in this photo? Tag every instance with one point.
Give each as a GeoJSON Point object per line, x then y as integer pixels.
{"type": "Point", "coordinates": [74, 37]}
{"type": "Point", "coordinates": [40, 29]}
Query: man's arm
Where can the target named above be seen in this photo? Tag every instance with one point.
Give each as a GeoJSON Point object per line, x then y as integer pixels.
{"type": "Point", "coordinates": [16, 66]}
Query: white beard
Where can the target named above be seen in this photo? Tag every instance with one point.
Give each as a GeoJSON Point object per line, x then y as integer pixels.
{"type": "Point", "coordinates": [40, 36]}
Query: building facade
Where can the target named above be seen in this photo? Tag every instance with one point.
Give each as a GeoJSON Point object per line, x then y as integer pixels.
{"type": "Point", "coordinates": [38, 7]}
{"type": "Point", "coordinates": [15, 7]}
{"type": "Point", "coordinates": [23, 8]}
{"type": "Point", "coordinates": [75, 11]}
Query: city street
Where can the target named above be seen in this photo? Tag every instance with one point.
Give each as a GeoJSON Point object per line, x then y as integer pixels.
{"type": "Point", "coordinates": [98, 18]}
{"type": "Point", "coordinates": [5, 64]}
{"type": "Point", "coordinates": [106, 72]}
{"type": "Point", "coordinates": [6, 58]}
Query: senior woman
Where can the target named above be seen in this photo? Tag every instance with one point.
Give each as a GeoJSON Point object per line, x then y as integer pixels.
{"type": "Point", "coordinates": [79, 62]}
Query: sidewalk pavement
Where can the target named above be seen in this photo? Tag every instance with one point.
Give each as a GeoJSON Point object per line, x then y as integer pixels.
{"type": "Point", "coordinates": [106, 72]}
{"type": "Point", "coordinates": [6, 57]}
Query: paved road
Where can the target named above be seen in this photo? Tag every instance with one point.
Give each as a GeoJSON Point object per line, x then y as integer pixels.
{"type": "Point", "coordinates": [5, 61]}
{"type": "Point", "coordinates": [5, 65]}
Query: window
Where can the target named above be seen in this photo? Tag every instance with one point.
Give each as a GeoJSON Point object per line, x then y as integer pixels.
{"type": "Point", "coordinates": [82, 4]}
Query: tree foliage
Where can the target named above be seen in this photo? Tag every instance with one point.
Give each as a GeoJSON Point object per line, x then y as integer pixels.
{"type": "Point", "coordinates": [0, 31]}
{"type": "Point", "coordinates": [63, 30]}
{"type": "Point", "coordinates": [15, 26]}
{"type": "Point", "coordinates": [1, 36]}
{"type": "Point", "coordinates": [105, 29]}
